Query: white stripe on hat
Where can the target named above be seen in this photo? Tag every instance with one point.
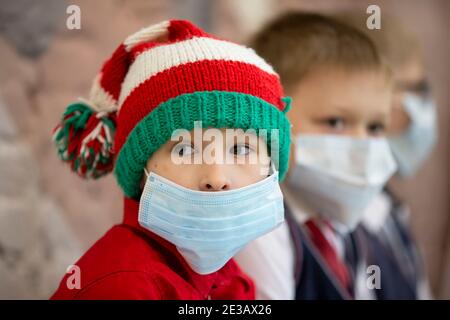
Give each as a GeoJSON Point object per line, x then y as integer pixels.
{"type": "Point", "coordinates": [147, 34]}
{"type": "Point", "coordinates": [164, 57]}
{"type": "Point", "coordinates": [99, 99]}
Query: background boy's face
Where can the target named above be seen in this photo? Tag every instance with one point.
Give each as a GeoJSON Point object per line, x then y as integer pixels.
{"type": "Point", "coordinates": [217, 176]}
{"type": "Point", "coordinates": [409, 77]}
{"type": "Point", "coordinates": [334, 101]}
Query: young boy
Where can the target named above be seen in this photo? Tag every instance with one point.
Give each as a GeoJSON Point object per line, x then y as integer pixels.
{"type": "Point", "coordinates": [412, 135]}
{"type": "Point", "coordinates": [342, 100]}
{"type": "Point", "coordinates": [173, 91]}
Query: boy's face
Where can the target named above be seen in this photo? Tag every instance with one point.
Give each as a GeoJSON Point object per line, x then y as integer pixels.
{"type": "Point", "coordinates": [410, 77]}
{"type": "Point", "coordinates": [334, 101]}
{"type": "Point", "coordinates": [233, 161]}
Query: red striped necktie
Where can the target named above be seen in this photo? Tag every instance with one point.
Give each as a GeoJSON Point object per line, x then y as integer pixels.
{"type": "Point", "coordinates": [328, 252]}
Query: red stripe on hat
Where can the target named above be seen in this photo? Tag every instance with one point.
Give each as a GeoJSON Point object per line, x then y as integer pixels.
{"type": "Point", "coordinates": [178, 30]}
{"type": "Point", "coordinates": [114, 71]}
{"type": "Point", "coordinates": [205, 75]}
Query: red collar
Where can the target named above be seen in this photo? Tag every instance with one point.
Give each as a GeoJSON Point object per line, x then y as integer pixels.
{"type": "Point", "coordinates": [203, 283]}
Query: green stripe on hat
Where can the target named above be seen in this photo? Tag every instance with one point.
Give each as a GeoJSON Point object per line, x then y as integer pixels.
{"type": "Point", "coordinates": [217, 109]}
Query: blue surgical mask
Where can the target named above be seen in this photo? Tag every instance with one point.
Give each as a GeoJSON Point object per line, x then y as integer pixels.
{"type": "Point", "coordinates": [338, 176]}
{"type": "Point", "coordinates": [413, 147]}
{"type": "Point", "coordinates": [209, 228]}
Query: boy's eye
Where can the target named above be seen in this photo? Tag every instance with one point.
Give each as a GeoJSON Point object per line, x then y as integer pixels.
{"type": "Point", "coordinates": [420, 87]}
{"type": "Point", "coordinates": [335, 123]}
{"type": "Point", "coordinates": [376, 128]}
{"type": "Point", "coordinates": [183, 149]}
{"type": "Point", "coordinates": [240, 149]}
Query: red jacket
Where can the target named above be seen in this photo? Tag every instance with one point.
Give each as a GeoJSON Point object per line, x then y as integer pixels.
{"type": "Point", "coordinates": [130, 262]}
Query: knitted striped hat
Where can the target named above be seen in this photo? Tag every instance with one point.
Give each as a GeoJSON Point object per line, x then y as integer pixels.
{"type": "Point", "coordinates": [163, 78]}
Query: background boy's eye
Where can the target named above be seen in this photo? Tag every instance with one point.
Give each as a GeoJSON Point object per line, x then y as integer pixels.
{"type": "Point", "coordinates": [376, 128]}
{"type": "Point", "coordinates": [240, 149]}
{"type": "Point", "coordinates": [335, 123]}
{"type": "Point", "coordinates": [421, 87]}
{"type": "Point", "coordinates": [183, 149]}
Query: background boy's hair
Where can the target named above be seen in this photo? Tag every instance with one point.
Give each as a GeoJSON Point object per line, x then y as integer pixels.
{"type": "Point", "coordinates": [297, 42]}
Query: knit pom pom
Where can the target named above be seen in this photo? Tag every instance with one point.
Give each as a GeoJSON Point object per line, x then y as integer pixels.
{"type": "Point", "coordinates": [84, 139]}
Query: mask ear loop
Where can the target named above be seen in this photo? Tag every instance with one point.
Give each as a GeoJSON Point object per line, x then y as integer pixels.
{"type": "Point", "coordinates": [273, 169]}
{"type": "Point", "coordinates": [146, 172]}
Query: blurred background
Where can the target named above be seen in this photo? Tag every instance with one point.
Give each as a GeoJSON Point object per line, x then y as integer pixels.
{"type": "Point", "coordinates": [49, 216]}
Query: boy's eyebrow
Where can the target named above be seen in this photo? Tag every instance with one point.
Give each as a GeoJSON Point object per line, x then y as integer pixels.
{"type": "Point", "coordinates": [333, 109]}
{"type": "Point", "coordinates": [421, 85]}
{"type": "Point", "coordinates": [171, 143]}
{"type": "Point", "coordinates": [383, 116]}
{"type": "Point", "coordinates": [343, 109]}
{"type": "Point", "coordinates": [250, 138]}
{"type": "Point", "coordinates": [379, 115]}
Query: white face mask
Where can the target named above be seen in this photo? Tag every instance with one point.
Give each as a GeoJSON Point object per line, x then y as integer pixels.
{"type": "Point", "coordinates": [338, 176]}
{"type": "Point", "coordinates": [209, 228]}
{"type": "Point", "coordinates": [413, 146]}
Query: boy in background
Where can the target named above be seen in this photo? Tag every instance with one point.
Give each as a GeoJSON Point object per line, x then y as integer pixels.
{"type": "Point", "coordinates": [412, 135]}
{"type": "Point", "coordinates": [341, 160]}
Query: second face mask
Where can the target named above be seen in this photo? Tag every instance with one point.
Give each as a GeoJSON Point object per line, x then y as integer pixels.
{"type": "Point", "coordinates": [413, 147]}
{"type": "Point", "coordinates": [337, 176]}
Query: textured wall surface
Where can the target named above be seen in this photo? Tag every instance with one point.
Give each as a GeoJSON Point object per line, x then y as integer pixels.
{"type": "Point", "coordinates": [49, 216]}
